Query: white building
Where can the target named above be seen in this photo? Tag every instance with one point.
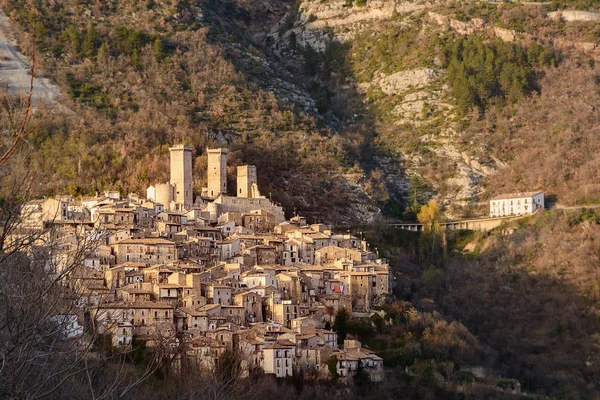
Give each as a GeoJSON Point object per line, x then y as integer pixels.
{"type": "Point", "coordinates": [516, 204]}
{"type": "Point", "coordinates": [278, 359]}
{"type": "Point", "coordinates": [68, 325]}
{"type": "Point", "coordinates": [252, 280]}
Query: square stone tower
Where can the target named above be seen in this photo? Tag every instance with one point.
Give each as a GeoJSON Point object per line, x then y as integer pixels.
{"type": "Point", "coordinates": [217, 172]}
{"type": "Point", "coordinates": [181, 175]}
{"type": "Point", "coordinates": [246, 178]}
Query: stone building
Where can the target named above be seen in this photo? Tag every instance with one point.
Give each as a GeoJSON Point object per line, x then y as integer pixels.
{"type": "Point", "coordinates": [278, 358]}
{"type": "Point", "coordinates": [247, 184]}
{"type": "Point", "coordinates": [217, 173]}
{"type": "Point", "coordinates": [181, 175]}
{"type": "Point", "coordinates": [177, 194]}
{"type": "Point", "coordinates": [147, 250]}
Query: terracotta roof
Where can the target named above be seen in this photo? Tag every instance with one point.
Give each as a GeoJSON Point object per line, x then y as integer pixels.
{"type": "Point", "coordinates": [169, 286]}
{"type": "Point", "coordinates": [279, 345]}
{"type": "Point", "coordinates": [137, 291]}
{"type": "Point", "coordinates": [137, 304]}
{"type": "Point", "coordinates": [146, 241]}
{"type": "Point", "coordinates": [209, 307]}
{"type": "Point", "coordinates": [192, 312]}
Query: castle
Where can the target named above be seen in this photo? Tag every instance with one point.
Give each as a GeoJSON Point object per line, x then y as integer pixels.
{"type": "Point", "coordinates": [177, 194]}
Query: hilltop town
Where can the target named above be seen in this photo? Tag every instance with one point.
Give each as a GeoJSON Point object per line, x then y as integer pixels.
{"type": "Point", "coordinates": [213, 273]}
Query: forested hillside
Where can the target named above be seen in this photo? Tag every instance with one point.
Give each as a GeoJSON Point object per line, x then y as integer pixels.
{"type": "Point", "coordinates": [528, 290]}
{"type": "Point", "coordinates": [139, 76]}
{"type": "Point", "coordinates": [344, 106]}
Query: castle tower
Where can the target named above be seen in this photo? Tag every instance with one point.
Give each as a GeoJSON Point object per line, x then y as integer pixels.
{"type": "Point", "coordinates": [181, 175]}
{"type": "Point", "coordinates": [217, 172]}
{"type": "Point", "coordinates": [246, 179]}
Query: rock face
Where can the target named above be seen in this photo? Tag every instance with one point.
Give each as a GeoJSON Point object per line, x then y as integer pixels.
{"type": "Point", "coordinates": [319, 22]}
{"type": "Point", "coordinates": [505, 34]}
{"type": "Point", "coordinates": [336, 13]}
{"type": "Point", "coordinates": [571, 16]}
{"type": "Point", "coordinates": [415, 94]}
{"type": "Point", "coordinates": [405, 80]}
{"type": "Point", "coordinates": [464, 28]}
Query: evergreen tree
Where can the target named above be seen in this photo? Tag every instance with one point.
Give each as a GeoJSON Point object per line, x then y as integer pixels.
{"type": "Point", "coordinates": [88, 47]}
{"type": "Point", "coordinates": [340, 325]}
{"type": "Point", "coordinates": [332, 367]}
{"type": "Point", "coordinates": [158, 49]}
{"type": "Point", "coordinates": [71, 35]}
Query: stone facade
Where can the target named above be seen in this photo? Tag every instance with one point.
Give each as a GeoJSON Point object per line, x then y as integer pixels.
{"type": "Point", "coordinates": [181, 175]}
{"type": "Point", "coordinates": [247, 184]}
{"type": "Point", "coordinates": [217, 172]}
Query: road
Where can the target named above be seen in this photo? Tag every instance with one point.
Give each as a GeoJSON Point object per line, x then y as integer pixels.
{"type": "Point", "coordinates": [15, 74]}
{"type": "Point", "coordinates": [561, 207]}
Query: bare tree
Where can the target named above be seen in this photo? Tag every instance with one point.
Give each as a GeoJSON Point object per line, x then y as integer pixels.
{"type": "Point", "coordinates": [44, 351]}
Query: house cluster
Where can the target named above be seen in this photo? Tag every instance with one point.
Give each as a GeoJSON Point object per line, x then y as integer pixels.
{"type": "Point", "coordinates": [215, 273]}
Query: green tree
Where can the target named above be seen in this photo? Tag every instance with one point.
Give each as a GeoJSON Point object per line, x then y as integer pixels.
{"type": "Point", "coordinates": [71, 36]}
{"type": "Point", "coordinates": [158, 49]}
{"type": "Point", "coordinates": [332, 367]}
{"type": "Point", "coordinates": [340, 325]}
{"type": "Point", "coordinates": [135, 59]}
{"type": "Point", "coordinates": [90, 42]}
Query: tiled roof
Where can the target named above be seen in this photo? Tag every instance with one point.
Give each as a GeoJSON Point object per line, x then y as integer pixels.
{"type": "Point", "coordinates": [515, 195]}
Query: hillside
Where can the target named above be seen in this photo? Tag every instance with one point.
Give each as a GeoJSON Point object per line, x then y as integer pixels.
{"type": "Point", "coordinates": [464, 96]}
{"type": "Point", "coordinates": [141, 76]}
{"type": "Point", "coordinates": [527, 290]}
{"type": "Point", "coordinates": [374, 101]}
